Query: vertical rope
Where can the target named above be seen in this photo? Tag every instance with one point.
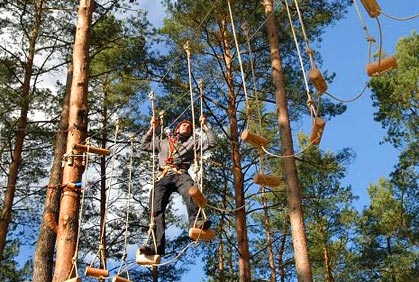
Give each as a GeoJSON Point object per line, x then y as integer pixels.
{"type": "Point", "coordinates": [309, 51]}
{"type": "Point", "coordinates": [86, 165]}
{"type": "Point", "coordinates": [201, 139]}
{"type": "Point", "coordinates": [131, 161]}
{"type": "Point", "coordinates": [102, 229]}
{"type": "Point", "coordinates": [188, 56]}
{"type": "Point", "coordinates": [238, 54]}
{"type": "Point", "coordinates": [245, 28]}
{"type": "Point", "coordinates": [153, 178]}
{"type": "Point", "coordinates": [310, 100]}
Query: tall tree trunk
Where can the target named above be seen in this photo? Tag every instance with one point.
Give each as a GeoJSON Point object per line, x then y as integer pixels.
{"type": "Point", "coordinates": [221, 224]}
{"type": "Point", "coordinates": [45, 246]}
{"type": "Point", "coordinates": [77, 133]}
{"type": "Point", "coordinates": [281, 262]}
{"type": "Point", "coordinates": [328, 268]}
{"type": "Point", "coordinates": [20, 131]}
{"type": "Point", "coordinates": [103, 198]}
{"type": "Point", "coordinates": [302, 261]}
{"type": "Point", "coordinates": [241, 227]}
{"type": "Point", "coordinates": [267, 225]}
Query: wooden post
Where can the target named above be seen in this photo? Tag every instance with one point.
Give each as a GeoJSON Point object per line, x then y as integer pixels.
{"type": "Point", "coordinates": [77, 133]}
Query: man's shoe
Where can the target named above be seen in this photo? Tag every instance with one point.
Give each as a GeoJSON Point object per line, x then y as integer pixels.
{"type": "Point", "coordinates": [146, 250]}
{"type": "Point", "coordinates": [203, 224]}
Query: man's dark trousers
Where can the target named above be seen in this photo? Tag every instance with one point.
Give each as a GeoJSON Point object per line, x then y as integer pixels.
{"type": "Point", "coordinates": [171, 182]}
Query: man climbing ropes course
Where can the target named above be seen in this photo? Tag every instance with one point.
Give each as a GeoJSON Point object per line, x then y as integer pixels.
{"type": "Point", "coordinates": [175, 156]}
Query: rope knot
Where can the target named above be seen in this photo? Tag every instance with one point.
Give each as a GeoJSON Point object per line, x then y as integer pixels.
{"type": "Point", "coordinates": [310, 102]}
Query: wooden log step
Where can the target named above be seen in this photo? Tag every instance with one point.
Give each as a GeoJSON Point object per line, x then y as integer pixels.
{"type": "Point", "coordinates": [75, 279]}
{"type": "Point", "coordinates": [200, 234]}
{"type": "Point", "coordinates": [197, 196]}
{"type": "Point", "coordinates": [254, 139]}
{"type": "Point", "coordinates": [143, 259]}
{"type": "Point", "coordinates": [378, 67]}
{"type": "Point", "coordinates": [372, 7]}
{"type": "Point", "coordinates": [267, 180]}
{"type": "Point", "coordinates": [118, 278]}
{"type": "Point", "coordinates": [318, 80]}
{"type": "Point", "coordinates": [96, 272]}
{"type": "Point", "coordinates": [317, 131]}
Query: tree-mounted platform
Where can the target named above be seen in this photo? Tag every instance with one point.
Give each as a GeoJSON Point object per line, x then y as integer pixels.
{"type": "Point", "coordinates": [91, 149]}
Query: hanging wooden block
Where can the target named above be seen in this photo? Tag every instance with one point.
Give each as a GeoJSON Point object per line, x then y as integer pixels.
{"type": "Point", "coordinates": [380, 66]}
{"type": "Point", "coordinates": [267, 180]}
{"type": "Point", "coordinates": [91, 149]}
{"type": "Point", "coordinates": [75, 279]}
{"type": "Point", "coordinates": [200, 234]}
{"type": "Point", "coordinates": [317, 131]}
{"type": "Point", "coordinates": [96, 272]}
{"type": "Point", "coordinates": [372, 8]}
{"type": "Point", "coordinates": [197, 196]}
{"type": "Point", "coordinates": [143, 259]}
{"type": "Point", "coordinates": [254, 139]}
{"type": "Point", "coordinates": [318, 80]}
{"type": "Point", "coordinates": [120, 279]}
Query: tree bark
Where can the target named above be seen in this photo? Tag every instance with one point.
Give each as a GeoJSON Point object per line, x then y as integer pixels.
{"type": "Point", "coordinates": [241, 227]}
{"type": "Point", "coordinates": [20, 131]}
{"type": "Point", "coordinates": [77, 133]}
{"type": "Point", "coordinates": [302, 261]}
{"type": "Point", "coordinates": [267, 225]}
{"type": "Point", "coordinates": [45, 246]}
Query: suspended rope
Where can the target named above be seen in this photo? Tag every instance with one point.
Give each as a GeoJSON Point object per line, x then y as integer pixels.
{"type": "Point", "coordinates": [349, 100]}
{"type": "Point", "coordinates": [245, 28]}
{"type": "Point", "coordinates": [188, 58]}
{"type": "Point", "coordinates": [310, 103]}
{"type": "Point", "coordinates": [175, 258]}
{"type": "Point", "coordinates": [383, 64]}
{"type": "Point", "coordinates": [238, 56]}
{"type": "Point", "coordinates": [398, 18]}
{"type": "Point", "coordinates": [200, 171]}
{"type": "Point", "coordinates": [151, 235]}
{"type": "Point", "coordinates": [196, 192]}
{"type": "Point", "coordinates": [261, 170]}
{"type": "Point", "coordinates": [101, 254]}
{"type": "Point", "coordinates": [74, 268]}
{"type": "Point", "coordinates": [124, 252]}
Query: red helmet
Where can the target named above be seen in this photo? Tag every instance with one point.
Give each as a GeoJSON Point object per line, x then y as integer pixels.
{"type": "Point", "coordinates": [180, 123]}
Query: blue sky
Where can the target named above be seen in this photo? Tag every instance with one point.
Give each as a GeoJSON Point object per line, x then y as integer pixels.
{"type": "Point", "coordinates": [344, 50]}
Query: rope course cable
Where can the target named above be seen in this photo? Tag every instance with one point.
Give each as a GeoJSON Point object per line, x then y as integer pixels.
{"type": "Point", "coordinates": [383, 64]}
{"type": "Point", "coordinates": [398, 18]}
{"type": "Point", "coordinates": [74, 268]}
{"type": "Point", "coordinates": [151, 233]}
{"type": "Point", "coordinates": [310, 103]}
{"type": "Point", "coordinates": [101, 254]}
{"type": "Point", "coordinates": [124, 252]}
